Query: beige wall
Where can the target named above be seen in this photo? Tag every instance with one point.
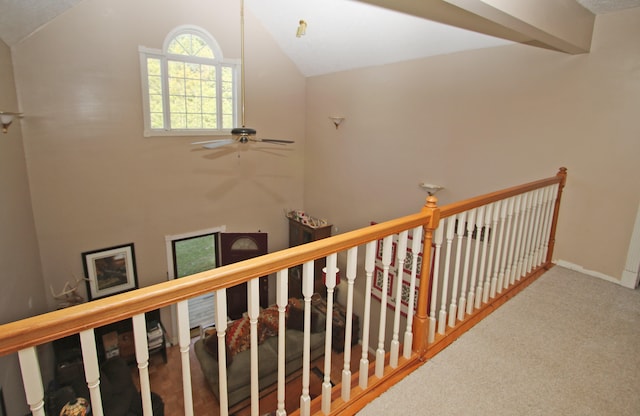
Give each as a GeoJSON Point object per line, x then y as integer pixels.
{"type": "Point", "coordinates": [22, 293]}
{"type": "Point", "coordinates": [481, 120]}
{"type": "Point", "coordinates": [97, 182]}
{"type": "Point", "coordinates": [471, 121]}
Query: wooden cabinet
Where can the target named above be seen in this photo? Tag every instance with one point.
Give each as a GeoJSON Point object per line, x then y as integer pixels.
{"type": "Point", "coordinates": [300, 233]}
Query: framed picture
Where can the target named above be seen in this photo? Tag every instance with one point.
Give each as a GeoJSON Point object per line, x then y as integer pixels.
{"type": "Point", "coordinates": [378, 280]}
{"type": "Point", "coordinates": [110, 271]}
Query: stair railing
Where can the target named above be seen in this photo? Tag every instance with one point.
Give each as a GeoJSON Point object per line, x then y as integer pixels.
{"type": "Point", "coordinates": [503, 241]}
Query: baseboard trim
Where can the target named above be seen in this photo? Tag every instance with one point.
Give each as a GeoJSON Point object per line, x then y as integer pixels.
{"type": "Point", "coordinates": [628, 283]}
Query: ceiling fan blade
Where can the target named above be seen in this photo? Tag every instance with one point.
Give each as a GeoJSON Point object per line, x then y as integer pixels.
{"type": "Point", "coordinates": [210, 141]}
{"type": "Point", "coordinates": [213, 144]}
{"type": "Point", "coordinates": [276, 141]}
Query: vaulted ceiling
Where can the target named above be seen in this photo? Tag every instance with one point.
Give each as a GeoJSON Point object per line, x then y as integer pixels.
{"type": "Point", "coordinates": [347, 34]}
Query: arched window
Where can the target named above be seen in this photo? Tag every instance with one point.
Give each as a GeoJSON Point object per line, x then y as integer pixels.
{"type": "Point", "coordinates": [188, 87]}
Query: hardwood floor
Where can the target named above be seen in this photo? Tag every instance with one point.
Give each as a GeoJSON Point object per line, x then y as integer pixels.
{"type": "Point", "coordinates": [166, 380]}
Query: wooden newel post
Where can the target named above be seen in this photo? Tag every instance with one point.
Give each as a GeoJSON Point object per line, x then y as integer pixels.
{"type": "Point", "coordinates": [421, 318]}
{"type": "Point", "coordinates": [562, 176]}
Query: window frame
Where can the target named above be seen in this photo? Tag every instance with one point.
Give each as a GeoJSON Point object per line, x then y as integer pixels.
{"type": "Point", "coordinates": [164, 57]}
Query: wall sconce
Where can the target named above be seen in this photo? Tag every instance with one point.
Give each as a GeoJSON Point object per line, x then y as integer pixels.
{"type": "Point", "coordinates": [431, 188]}
{"type": "Point", "coordinates": [336, 120]}
{"type": "Point", "coordinates": [302, 29]}
{"type": "Point", "coordinates": [6, 118]}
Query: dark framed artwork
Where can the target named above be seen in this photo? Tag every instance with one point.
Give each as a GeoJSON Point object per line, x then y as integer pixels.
{"type": "Point", "coordinates": [110, 271]}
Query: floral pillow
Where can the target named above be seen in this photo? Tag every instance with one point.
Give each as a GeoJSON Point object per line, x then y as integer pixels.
{"type": "Point", "coordinates": [239, 336]}
{"type": "Point", "coordinates": [268, 322]}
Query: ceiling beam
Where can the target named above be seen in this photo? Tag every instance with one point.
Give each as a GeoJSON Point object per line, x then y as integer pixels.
{"type": "Point", "coordinates": [562, 25]}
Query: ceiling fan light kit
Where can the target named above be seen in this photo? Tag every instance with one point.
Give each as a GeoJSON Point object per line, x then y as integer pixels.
{"type": "Point", "coordinates": [243, 131]}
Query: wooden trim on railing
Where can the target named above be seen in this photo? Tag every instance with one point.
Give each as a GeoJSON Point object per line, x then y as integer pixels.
{"type": "Point", "coordinates": [375, 387]}
{"type": "Point", "coordinates": [467, 204]}
{"type": "Point", "coordinates": [421, 318]}
{"type": "Point", "coordinates": [562, 176]}
{"type": "Point", "coordinates": [44, 328]}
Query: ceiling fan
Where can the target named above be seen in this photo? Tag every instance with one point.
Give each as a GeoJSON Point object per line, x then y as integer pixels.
{"type": "Point", "coordinates": [242, 134]}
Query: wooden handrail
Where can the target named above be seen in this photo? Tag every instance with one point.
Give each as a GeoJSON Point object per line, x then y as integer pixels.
{"type": "Point", "coordinates": [467, 204]}
{"type": "Point", "coordinates": [47, 327]}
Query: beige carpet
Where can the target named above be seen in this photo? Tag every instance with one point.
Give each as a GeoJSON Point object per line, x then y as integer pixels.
{"type": "Point", "coordinates": [567, 345]}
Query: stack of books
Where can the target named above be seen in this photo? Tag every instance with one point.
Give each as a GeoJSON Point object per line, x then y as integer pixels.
{"type": "Point", "coordinates": [154, 335]}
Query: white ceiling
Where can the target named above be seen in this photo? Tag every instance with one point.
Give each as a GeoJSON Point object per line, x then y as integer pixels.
{"type": "Point", "coordinates": [341, 34]}
{"type": "Point", "coordinates": [345, 34]}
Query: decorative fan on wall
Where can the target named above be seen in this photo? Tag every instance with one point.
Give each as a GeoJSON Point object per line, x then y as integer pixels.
{"type": "Point", "coordinates": [242, 134]}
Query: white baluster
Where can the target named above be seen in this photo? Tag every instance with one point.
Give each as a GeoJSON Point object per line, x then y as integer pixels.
{"type": "Point", "coordinates": [540, 229]}
{"type": "Point", "coordinates": [513, 244]}
{"type": "Point", "coordinates": [529, 231]}
{"type": "Point", "coordinates": [369, 264]}
{"type": "Point", "coordinates": [526, 210]}
{"type": "Point", "coordinates": [91, 370]}
{"type": "Point", "coordinates": [282, 289]}
{"type": "Point", "coordinates": [484, 221]}
{"type": "Point", "coordinates": [462, 304]}
{"type": "Point", "coordinates": [221, 331]}
{"type": "Point", "coordinates": [500, 250]}
{"type": "Point", "coordinates": [386, 262]}
{"type": "Point", "coordinates": [453, 308]}
{"type": "Point", "coordinates": [433, 320]}
{"type": "Point", "coordinates": [307, 292]}
{"type": "Point", "coordinates": [553, 193]}
{"type": "Point", "coordinates": [32, 380]}
{"type": "Point", "coordinates": [537, 240]}
{"type": "Point", "coordinates": [184, 340]}
{"type": "Point", "coordinates": [500, 212]}
{"type": "Point", "coordinates": [535, 221]}
{"type": "Point", "coordinates": [142, 357]}
{"type": "Point", "coordinates": [253, 310]}
{"type": "Point", "coordinates": [395, 339]}
{"type": "Point", "coordinates": [479, 218]}
{"type": "Point", "coordinates": [491, 223]}
{"type": "Point", "coordinates": [330, 282]}
{"type": "Point", "coordinates": [521, 215]}
{"type": "Point", "coordinates": [416, 243]}
{"type": "Point", "coordinates": [503, 282]}
{"type": "Point", "coordinates": [442, 318]}
{"type": "Point", "coordinates": [352, 265]}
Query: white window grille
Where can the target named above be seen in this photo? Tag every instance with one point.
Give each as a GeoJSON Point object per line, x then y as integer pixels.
{"type": "Point", "coordinates": [188, 87]}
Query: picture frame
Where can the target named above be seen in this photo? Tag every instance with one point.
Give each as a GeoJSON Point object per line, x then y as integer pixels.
{"type": "Point", "coordinates": [110, 271]}
{"type": "Point", "coordinates": [378, 276]}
